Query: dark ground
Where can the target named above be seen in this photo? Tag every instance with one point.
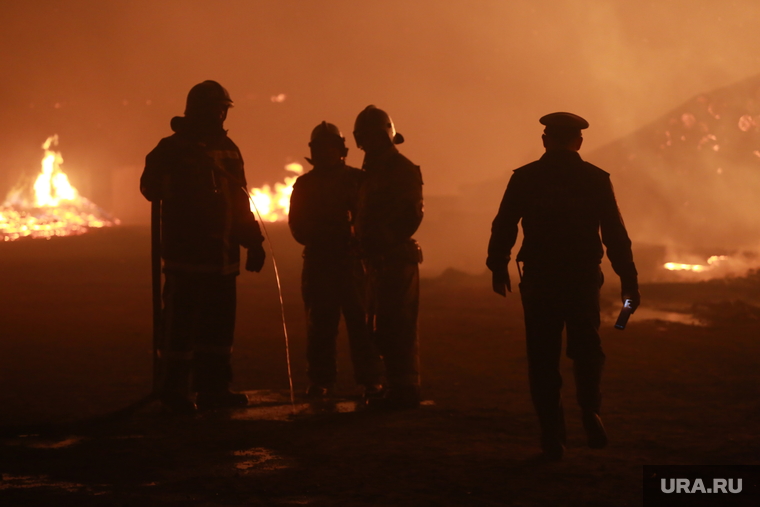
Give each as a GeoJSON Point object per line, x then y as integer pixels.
{"type": "Point", "coordinates": [76, 339]}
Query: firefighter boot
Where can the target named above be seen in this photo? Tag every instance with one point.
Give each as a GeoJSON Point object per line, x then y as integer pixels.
{"type": "Point", "coordinates": [400, 397]}
{"type": "Point", "coordinates": [221, 398]}
{"type": "Point", "coordinates": [318, 392]}
{"type": "Point", "coordinates": [175, 391]}
{"type": "Point", "coordinates": [588, 376]}
{"type": "Point", "coordinates": [213, 374]}
{"type": "Point", "coordinates": [372, 391]}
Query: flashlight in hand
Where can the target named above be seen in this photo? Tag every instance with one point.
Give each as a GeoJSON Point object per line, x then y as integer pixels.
{"type": "Point", "coordinates": [625, 313]}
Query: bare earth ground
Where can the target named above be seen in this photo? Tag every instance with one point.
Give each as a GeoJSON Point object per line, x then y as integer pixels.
{"type": "Point", "coordinates": [76, 338]}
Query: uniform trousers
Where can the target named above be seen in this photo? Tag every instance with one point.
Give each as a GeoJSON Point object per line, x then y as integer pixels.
{"type": "Point", "coordinates": [331, 286]}
{"type": "Point", "coordinates": [394, 307]}
{"type": "Point", "coordinates": [199, 327]}
{"type": "Point", "coordinates": [554, 299]}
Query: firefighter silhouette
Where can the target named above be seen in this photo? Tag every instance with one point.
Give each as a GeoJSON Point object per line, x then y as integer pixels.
{"type": "Point", "coordinates": [197, 175]}
{"type": "Point", "coordinates": [389, 212]}
{"type": "Point", "coordinates": [322, 208]}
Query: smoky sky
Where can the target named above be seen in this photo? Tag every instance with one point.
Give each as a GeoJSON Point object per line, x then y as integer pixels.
{"type": "Point", "coordinates": [465, 82]}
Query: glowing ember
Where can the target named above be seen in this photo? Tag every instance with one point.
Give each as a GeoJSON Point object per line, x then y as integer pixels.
{"type": "Point", "coordinates": [697, 268]}
{"type": "Point", "coordinates": [51, 206]}
{"type": "Point", "coordinates": [274, 205]}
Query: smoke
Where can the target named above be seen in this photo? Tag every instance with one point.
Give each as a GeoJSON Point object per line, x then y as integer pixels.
{"type": "Point", "coordinates": [464, 81]}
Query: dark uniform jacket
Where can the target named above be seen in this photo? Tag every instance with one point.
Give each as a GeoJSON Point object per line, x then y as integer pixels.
{"type": "Point", "coordinates": [322, 208]}
{"type": "Point", "coordinates": [563, 202]}
{"type": "Point", "coordinates": [205, 215]}
{"type": "Point", "coordinates": [390, 206]}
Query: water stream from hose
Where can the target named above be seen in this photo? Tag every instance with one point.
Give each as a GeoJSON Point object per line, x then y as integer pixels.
{"type": "Point", "coordinates": [282, 303]}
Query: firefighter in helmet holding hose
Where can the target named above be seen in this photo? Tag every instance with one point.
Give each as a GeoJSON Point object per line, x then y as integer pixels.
{"type": "Point", "coordinates": [197, 175]}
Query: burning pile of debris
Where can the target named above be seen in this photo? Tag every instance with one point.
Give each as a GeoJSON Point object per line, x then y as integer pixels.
{"type": "Point", "coordinates": [696, 268]}
{"type": "Point", "coordinates": [737, 264]}
{"type": "Point", "coordinates": [687, 184]}
{"type": "Point", "coordinates": [691, 179]}
{"type": "Point", "coordinates": [50, 206]}
{"type": "Point", "coordinates": [274, 204]}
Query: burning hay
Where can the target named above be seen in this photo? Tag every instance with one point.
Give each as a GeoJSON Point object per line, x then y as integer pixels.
{"type": "Point", "coordinates": [51, 206]}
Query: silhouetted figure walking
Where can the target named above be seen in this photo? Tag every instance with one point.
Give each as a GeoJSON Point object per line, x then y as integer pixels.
{"type": "Point", "coordinates": [563, 203]}
{"type": "Point", "coordinates": [389, 213]}
{"type": "Point", "coordinates": [198, 176]}
{"type": "Point", "coordinates": [322, 209]}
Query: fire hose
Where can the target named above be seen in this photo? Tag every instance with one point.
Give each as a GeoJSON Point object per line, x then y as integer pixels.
{"type": "Point", "coordinates": [158, 324]}
{"type": "Point", "coordinates": [282, 303]}
{"type": "Point", "coordinates": [158, 333]}
{"type": "Point", "coordinates": [129, 410]}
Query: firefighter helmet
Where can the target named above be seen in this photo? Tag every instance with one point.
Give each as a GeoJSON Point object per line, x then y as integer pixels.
{"type": "Point", "coordinates": [326, 134]}
{"type": "Point", "coordinates": [373, 120]}
{"type": "Point", "coordinates": [207, 95]}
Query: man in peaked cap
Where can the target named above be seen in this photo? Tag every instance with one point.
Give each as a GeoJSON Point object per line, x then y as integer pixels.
{"type": "Point", "coordinates": [322, 209]}
{"type": "Point", "coordinates": [564, 203]}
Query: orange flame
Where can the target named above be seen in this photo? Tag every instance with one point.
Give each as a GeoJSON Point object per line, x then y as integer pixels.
{"type": "Point", "coordinates": [696, 268]}
{"type": "Point", "coordinates": [51, 206]}
{"type": "Point", "coordinates": [274, 205]}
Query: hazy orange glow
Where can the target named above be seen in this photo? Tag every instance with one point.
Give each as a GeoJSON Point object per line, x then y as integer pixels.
{"type": "Point", "coordinates": [670, 89]}
{"type": "Point", "coordinates": [274, 205]}
{"type": "Point", "coordinates": [51, 206]}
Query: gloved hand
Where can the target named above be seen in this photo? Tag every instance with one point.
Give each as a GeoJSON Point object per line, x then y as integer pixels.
{"type": "Point", "coordinates": [500, 275]}
{"type": "Point", "coordinates": [500, 282]}
{"type": "Point", "coordinates": [256, 257]}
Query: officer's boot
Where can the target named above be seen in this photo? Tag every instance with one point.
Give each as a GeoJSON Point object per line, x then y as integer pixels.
{"type": "Point", "coordinates": [175, 389]}
{"type": "Point", "coordinates": [553, 433]}
{"type": "Point", "coordinates": [545, 385]}
{"type": "Point", "coordinates": [588, 375]}
{"type": "Point", "coordinates": [213, 374]}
